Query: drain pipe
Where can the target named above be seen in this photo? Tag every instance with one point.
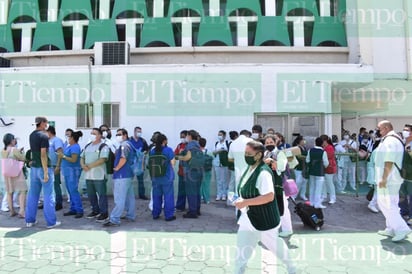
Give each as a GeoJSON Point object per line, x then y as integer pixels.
{"type": "Point", "coordinates": [90, 106]}
{"type": "Point", "coordinates": [408, 41]}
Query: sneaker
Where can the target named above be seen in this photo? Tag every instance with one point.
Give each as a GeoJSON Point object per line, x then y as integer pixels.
{"type": "Point", "coordinates": [108, 224]}
{"type": "Point", "coordinates": [400, 236]}
{"type": "Point", "coordinates": [78, 215]}
{"type": "Point", "coordinates": [409, 222]}
{"type": "Point", "coordinates": [55, 225]}
{"type": "Point", "coordinates": [223, 198]}
{"type": "Point", "coordinates": [320, 206]}
{"type": "Point", "coordinates": [31, 224]}
{"type": "Point", "coordinates": [218, 198]}
{"type": "Point", "coordinates": [5, 209]}
{"type": "Point", "coordinates": [190, 216]}
{"type": "Point", "coordinates": [386, 233]}
{"type": "Point", "coordinates": [69, 213]}
{"type": "Point", "coordinates": [102, 218]}
{"type": "Point", "coordinates": [331, 202]}
{"type": "Point", "coordinates": [373, 208]}
{"type": "Point", "coordinates": [93, 215]}
{"type": "Point", "coordinates": [285, 234]}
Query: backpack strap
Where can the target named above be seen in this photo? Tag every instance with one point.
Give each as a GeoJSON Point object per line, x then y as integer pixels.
{"type": "Point", "coordinates": [400, 140]}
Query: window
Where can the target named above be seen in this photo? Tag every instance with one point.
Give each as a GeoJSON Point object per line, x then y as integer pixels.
{"type": "Point", "coordinates": [82, 116]}
{"type": "Point", "coordinates": [110, 114]}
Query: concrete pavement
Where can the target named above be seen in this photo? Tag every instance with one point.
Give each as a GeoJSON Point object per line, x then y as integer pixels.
{"type": "Point", "coordinates": [347, 243]}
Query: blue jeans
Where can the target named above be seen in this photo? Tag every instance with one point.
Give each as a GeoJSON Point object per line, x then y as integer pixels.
{"type": "Point", "coordinates": [193, 180]}
{"type": "Point", "coordinates": [140, 184]}
{"type": "Point", "coordinates": [99, 201]}
{"type": "Point", "coordinates": [36, 185]}
{"type": "Point", "coordinates": [181, 194]}
{"type": "Point", "coordinates": [123, 194]}
{"type": "Point", "coordinates": [163, 188]}
{"type": "Point", "coordinates": [72, 176]}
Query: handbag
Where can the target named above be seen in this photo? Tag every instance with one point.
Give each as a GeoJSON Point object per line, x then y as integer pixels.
{"type": "Point", "coordinates": [11, 167]}
{"type": "Point", "coordinates": [289, 187]}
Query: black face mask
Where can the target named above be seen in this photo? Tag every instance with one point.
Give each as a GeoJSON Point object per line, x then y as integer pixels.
{"type": "Point", "coordinates": [250, 160]}
{"type": "Point", "coordinates": [378, 133]}
{"type": "Point", "coordinates": [270, 147]}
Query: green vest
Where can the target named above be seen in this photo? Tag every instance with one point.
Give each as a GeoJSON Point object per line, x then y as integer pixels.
{"type": "Point", "coordinates": [263, 217]}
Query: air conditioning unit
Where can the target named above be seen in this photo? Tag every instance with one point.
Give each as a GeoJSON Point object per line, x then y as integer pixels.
{"type": "Point", "coordinates": [111, 53]}
{"type": "Point", "coordinates": [4, 63]}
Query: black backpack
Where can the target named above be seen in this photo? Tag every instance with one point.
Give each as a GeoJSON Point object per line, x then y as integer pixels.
{"type": "Point", "coordinates": [157, 165]}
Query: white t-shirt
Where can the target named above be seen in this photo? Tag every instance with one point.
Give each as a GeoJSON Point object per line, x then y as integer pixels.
{"type": "Point", "coordinates": [390, 149]}
{"type": "Point", "coordinates": [237, 153]}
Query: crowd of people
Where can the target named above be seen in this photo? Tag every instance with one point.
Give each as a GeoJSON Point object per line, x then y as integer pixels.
{"type": "Point", "coordinates": [249, 168]}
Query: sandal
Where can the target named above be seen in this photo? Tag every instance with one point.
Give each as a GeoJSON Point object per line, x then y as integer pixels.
{"type": "Point", "coordinates": [12, 214]}
{"type": "Point", "coordinates": [20, 216]}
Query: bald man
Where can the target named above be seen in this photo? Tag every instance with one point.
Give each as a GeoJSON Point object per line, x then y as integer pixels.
{"type": "Point", "coordinates": [388, 179]}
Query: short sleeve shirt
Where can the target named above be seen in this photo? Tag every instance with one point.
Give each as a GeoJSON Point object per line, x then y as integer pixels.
{"type": "Point", "coordinates": [389, 150]}
{"type": "Point", "coordinates": [38, 140]}
{"type": "Point", "coordinates": [91, 154]}
{"type": "Point", "coordinates": [55, 144]}
{"type": "Point", "coordinates": [126, 171]}
{"type": "Point", "coordinates": [68, 152]}
{"type": "Point", "coordinates": [168, 152]}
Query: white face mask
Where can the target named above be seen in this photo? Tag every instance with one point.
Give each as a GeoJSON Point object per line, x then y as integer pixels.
{"type": "Point", "coordinates": [104, 134]}
{"type": "Point", "coordinates": [119, 139]}
{"type": "Point", "coordinates": [187, 140]}
{"type": "Point", "coordinates": [220, 137]}
{"type": "Point", "coordinates": [255, 136]}
{"type": "Point", "coordinates": [346, 137]}
{"type": "Point", "coordinates": [92, 138]}
{"type": "Point", "coordinates": [406, 134]}
{"type": "Point", "coordinates": [138, 134]}
{"type": "Point", "coordinates": [183, 140]}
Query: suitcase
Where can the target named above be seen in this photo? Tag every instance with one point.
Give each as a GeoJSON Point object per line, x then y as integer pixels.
{"type": "Point", "coordinates": [309, 215]}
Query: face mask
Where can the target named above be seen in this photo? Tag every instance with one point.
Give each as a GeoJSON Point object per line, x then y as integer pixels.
{"type": "Point", "coordinates": [304, 142]}
{"type": "Point", "coordinates": [92, 138]}
{"type": "Point", "coordinates": [119, 139]}
{"type": "Point", "coordinates": [67, 139]}
{"type": "Point", "coordinates": [183, 140]}
{"type": "Point", "coordinates": [220, 137]}
{"type": "Point", "coordinates": [47, 126]}
{"type": "Point", "coordinates": [255, 136]}
{"type": "Point", "coordinates": [186, 140]}
{"type": "Point", "coordinates": [104, 134]}
{"type": "Point", "coordinates": [250, 160]}
{"type": "Point", "coordinates": [270, 147]}
{"type": "Point", "coordinates": [405, 134]}
{"type": "Point", "coordinates": [346, 137]}
{"type": "Point", "coordinates": [138, 134]}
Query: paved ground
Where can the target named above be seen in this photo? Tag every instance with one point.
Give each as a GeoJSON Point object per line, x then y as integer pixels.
{"type": "Point", "coordinates": [347, 243]}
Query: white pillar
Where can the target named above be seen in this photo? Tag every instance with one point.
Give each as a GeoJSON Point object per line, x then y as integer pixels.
{"type": "Point", "coordinates": [270, 7]}
{"type": "Point", "coordinates": [158, 8]}
{"type": "Point", "coordinates": [187, 27]}
{"type": "Point", "coordinates": [298, 28]}
{"type": "Point", "coordinates": [52, 10]}
{"type": "Point", "coordinates": [130, 24]}
{"type": "Point", "coordinates": [242, 31]}
{"type": "Point", "coordinates": [324, 8]}
{"type": "Point", "coordinates": [104, 9]}
{"type": "Point", "coordinates": [77, 27]}
{"type": "Point", "coordinates": [26, 34]}
{"type": "Point", "coordinates": [4, 8]}
{"type": "Point", "coordinates": [214, 7]}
